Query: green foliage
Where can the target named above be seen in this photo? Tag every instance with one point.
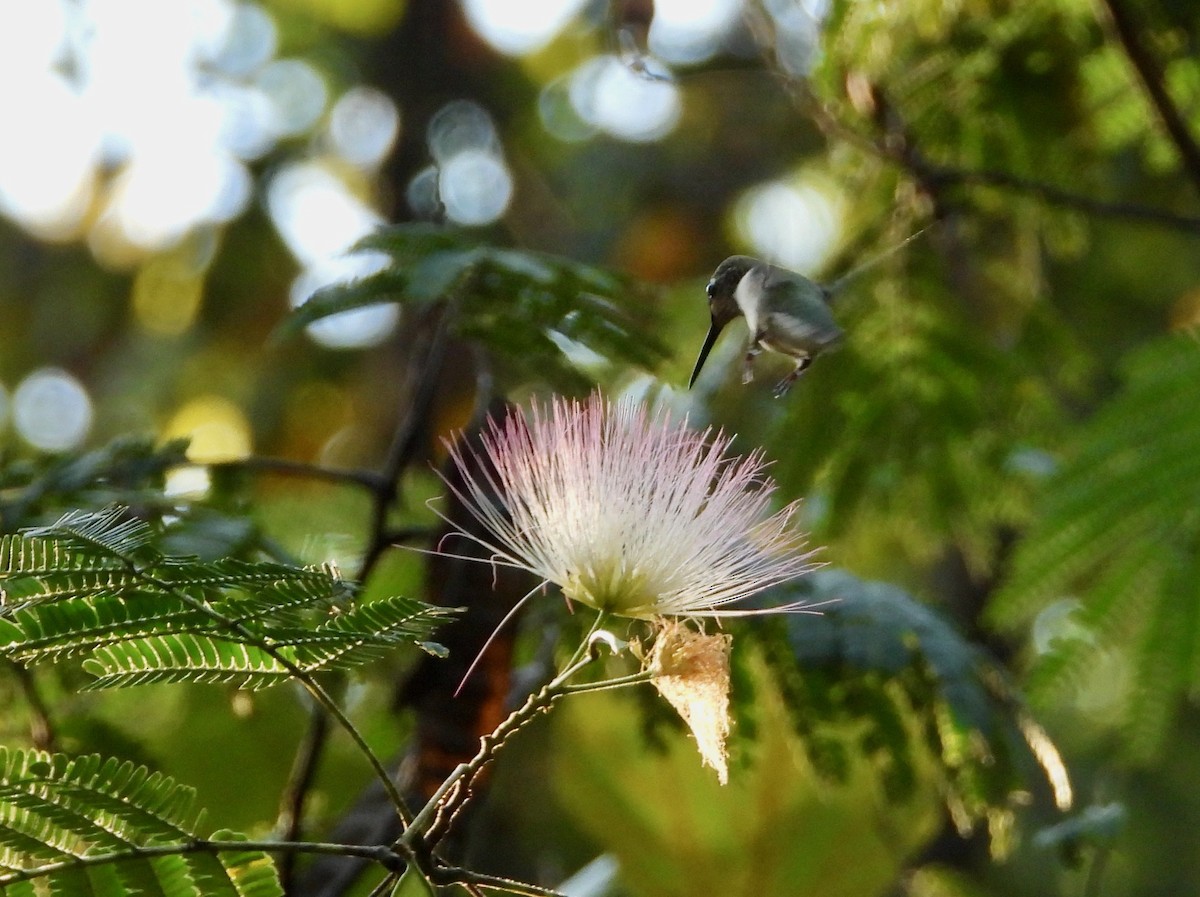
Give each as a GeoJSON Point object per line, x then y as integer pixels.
{"type": "Point", "coordinates": [91, 827]}
{"type": "Point", "coordinates": [854, 675]}
{"type": "Point", "coordinates": [1120, 530]}
{"type": "Point", "coordinates": [532, 310]}
{"type": "Point", "coordinates": [127, 471]}
{"type": "Point", "coordinates": [92, 585]}
{"type": "Point", "coordinates": [901, 427]}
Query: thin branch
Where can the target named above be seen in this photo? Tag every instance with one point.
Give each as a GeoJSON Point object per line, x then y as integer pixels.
{"type": "Point", "coordinates": [895, 142]}
{"type": "Point", "coordinates": [895, 145]}
{"type": "Point", "coordinates": [41, 728]}
{"type": "Point", "coordinates": [302, 676]}
{"type": "Point", "coordinates": [404, 442]}
{"type": "Point", "coordinates": [385, 856]}
{"type": "Point", "coordinates": [456, 789]}
{"type": "Point", "coordinates": [368, 479]}
{"type": "Point", "coordinates": [1065, 198]}
{"type": "Point", "coordinates": [383, 488]}
{"type": "Point", "coordinates": [1154, 83]}
{"type": "Point", "coordinates": [454, 875]}
{"type": "Point", "coordinates": [384, 886]}
{"type": "Point", "coordinates": [453, 793]}
{"type": "Point", "coordinates": [295, 792]}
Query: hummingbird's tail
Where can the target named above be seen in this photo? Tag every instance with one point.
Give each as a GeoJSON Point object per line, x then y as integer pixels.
{"type": "Point", "coordinates": [832, 289]}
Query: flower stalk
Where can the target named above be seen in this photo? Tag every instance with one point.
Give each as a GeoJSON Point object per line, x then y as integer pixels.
{"type": "Point", "coordinates": [636, 516]}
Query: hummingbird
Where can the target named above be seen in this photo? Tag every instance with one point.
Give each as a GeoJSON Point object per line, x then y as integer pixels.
{"type": "Point", "coordinates": [786, 312]}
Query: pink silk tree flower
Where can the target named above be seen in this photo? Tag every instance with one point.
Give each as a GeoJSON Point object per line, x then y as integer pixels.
{"type": "Point", "coordinates": [630, 513]}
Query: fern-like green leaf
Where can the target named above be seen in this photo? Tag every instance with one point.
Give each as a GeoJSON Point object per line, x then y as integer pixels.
{"type": "Point", "coordinates": [113, 531]}
{"type": "Point", "coordinates": [388, 622]}
{"type": "Point", "coordinates": [188, 657]}
{"type": "Point", "coordinates": [531, 309]}
{"type": "Point", "coordinates": [34, 570]}
{"type": "Point", "coordinates": [344, 641]}
{"type": "Point", "coordinates": [78, 626]}
{"type": "Point", "coordinates": [74, 826]}
{"type": "Point", "coordinates": [230, 573]}
{"type": "Point", "coordinates": [80, 593]}
{"type": "Point", "coordinates": [1120, 532]}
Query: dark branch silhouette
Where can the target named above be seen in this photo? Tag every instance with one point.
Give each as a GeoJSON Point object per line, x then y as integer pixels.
{"type": "Point", "coordinates": [1151, 75]}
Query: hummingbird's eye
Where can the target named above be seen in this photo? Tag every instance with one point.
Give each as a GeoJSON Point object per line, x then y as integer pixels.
{"type": "Point", "coordinates": [711, 288]}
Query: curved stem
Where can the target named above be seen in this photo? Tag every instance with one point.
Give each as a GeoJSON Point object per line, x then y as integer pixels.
{"type": "Point", "coordinates": [456, 788]}
{"type": "Point", "coordinates": [368, 479]}
{"type": "Point", "coordinates": [385, 856]}
{"type": "Point", "coordinates": [41, 728]}
{"type": "Point", "coordinates": [302, 676]}
{"type": "Point", "coordinates": [288, 823]}
{"type": "Point", "coordinates": [384, 886]}
{"type": "Point", "coordinates": [448, 875]}
{"type": "Point", "coordinates": [584, 688]}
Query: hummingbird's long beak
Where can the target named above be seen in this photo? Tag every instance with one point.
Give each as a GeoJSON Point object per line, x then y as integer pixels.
{"type": "Point", "coordinates": [714, 331]}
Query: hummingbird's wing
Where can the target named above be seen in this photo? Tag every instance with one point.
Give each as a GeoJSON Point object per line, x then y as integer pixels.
{"type": "Point", "coordinates": [795, 319]}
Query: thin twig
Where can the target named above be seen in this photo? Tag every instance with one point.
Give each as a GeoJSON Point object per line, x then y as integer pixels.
{"type": "Point", "coordinates": [1058, 196]}
{"type": "Point", "coordinates": [41, 728]}
{"type": "Point", "coordinates": [385, 856]}
{"type": "Point", "coordinates": [368, 479]}
{"type": "Point", "coordinates": [302, 676]}
{"type": "Point", "coordinates": [454, 875]}
{"type": "Point", "coordinates": [456, 789]}
{"type": "Point", "coordinates": [898, 148]}
{"type": "Point", "coordinates": [1153, 82]}
{"type": "Point", "coordinates": [384, 886]}
{"type": "Point", "coordinates": [895, 142]}
{"type": "Point", "coordinates": [289, 823]}
{"type": "Point", "coordinates": [444, 804]}
{"type": "Point", "coordinates": [404, 442]}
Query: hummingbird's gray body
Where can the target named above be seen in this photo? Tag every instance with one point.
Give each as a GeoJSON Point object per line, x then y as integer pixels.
{"type": "Point", "coordinates": [786, 313]}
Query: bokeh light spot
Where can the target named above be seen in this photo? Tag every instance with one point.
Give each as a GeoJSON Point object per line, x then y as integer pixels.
{"type": "Point", "coordinates": [315, 212]}
{"type": "Point", "coordinates": [297, 93]}
{"type": "Point", "coordinates": [794, 225]}
{"type": "Point", "coordinates": [51, 410]}
{"type": "Point", "coordinates": [458, 126]}
{"type": "Point", "coordinates": [690, 31]}
{"type": "Point", "coordinates": [31, 36]}
{"type": "Point", "coordinates": [475, 187]}
{"type": "Point", "coordinates": [246, 115]}
{"type": "Point", "coordinates": [248, 41]}
{"type": "Point", "coordinates": [608, 94]}
{"type": "Point", "coordinates": [48, 155]}
{"type": "Point", "coordinates": [520, 26]}
{"type": "Point", "coordinates": [217, 428]}
{"type": "Point", "coordinates": [187, 482]}
{"type": "Point", "coordinates": [797, 32]}
{"type": "Point", "coordinates": [160, 197]}
{"type": "Point", "coordinates": [363, 126]}
{"type": "Point", "coordinates": [558, 114]}
{"type": "Point", "coordinates": [1057, 623]}
{"type": "Point", "coordinates": [421, 194]}
{"type": "Point", "coordinates": [357, 328]}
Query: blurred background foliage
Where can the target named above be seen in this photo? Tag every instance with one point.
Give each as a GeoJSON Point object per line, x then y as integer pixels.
{"type": "Point", "coordinates": [1009, 437]}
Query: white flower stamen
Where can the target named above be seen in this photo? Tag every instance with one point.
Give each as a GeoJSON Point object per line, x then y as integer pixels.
{"type": "Point", "coordinates": [630, 513]}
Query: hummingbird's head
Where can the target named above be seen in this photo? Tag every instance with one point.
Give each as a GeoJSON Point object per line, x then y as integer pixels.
{"type": "Point", "coordinates": [722, 286]}
{"type": "Point", "coordinates": [722, 304]}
